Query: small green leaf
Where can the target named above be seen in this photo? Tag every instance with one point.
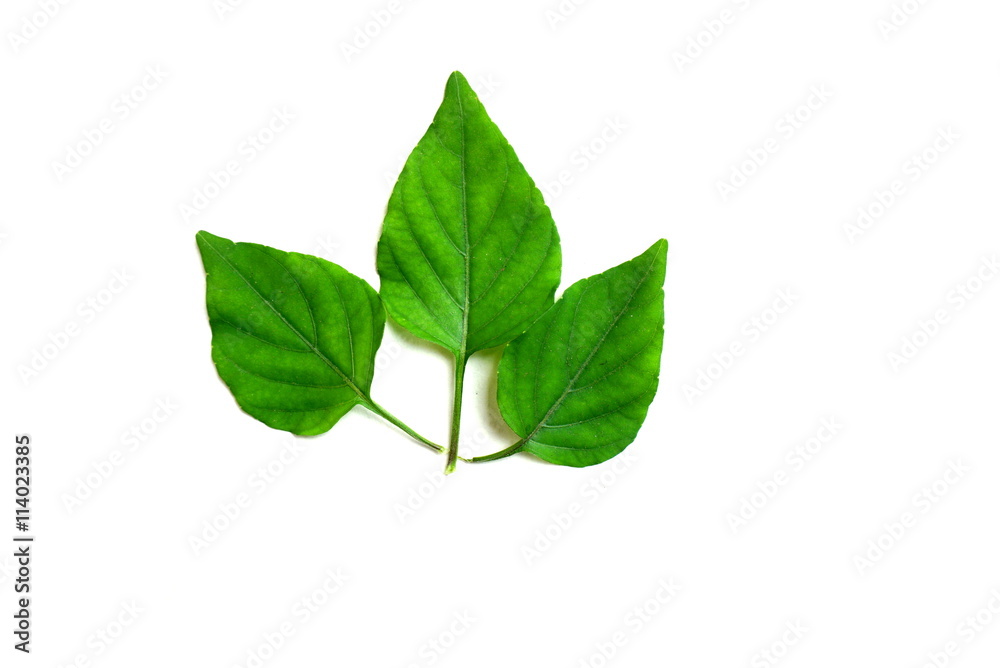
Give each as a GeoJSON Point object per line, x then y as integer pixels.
{"type": "Point", "coordinates": [469, 255]}
{"type": "Point", "coordinates": [293, 336]}
{"type": "Point", "coordinates": [577, 385]}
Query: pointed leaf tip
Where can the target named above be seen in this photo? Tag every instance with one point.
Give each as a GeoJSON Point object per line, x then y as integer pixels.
{"type": "Point", "coordinates": [469, 254]}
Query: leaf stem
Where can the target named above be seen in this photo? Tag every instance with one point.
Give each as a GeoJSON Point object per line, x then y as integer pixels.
{"type": "Point", "coordinates": [456, 413]}
{"type": "Point", "coordinates": [506, 452]}
{"type": "Point", "coordinates": [378, 410]}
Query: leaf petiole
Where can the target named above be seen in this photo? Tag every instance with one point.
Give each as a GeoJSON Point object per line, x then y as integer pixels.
{"type": "Point", "coordinates": [389, 417]}
{"type": "Point", "coordinates": [456, 413]}
{"type": "Point", "coordinates": [506, 452]}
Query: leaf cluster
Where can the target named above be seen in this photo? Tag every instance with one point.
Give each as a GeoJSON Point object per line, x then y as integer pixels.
{"type": "Point", "coordinates": [469, 259]}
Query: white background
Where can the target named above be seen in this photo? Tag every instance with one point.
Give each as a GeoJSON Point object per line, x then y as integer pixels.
{"type": "Point", "coordinates": [321, 186]}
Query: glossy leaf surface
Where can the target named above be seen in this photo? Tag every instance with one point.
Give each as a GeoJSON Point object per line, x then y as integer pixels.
{"type": "Point", "coordinates": [469, 255]}
{"type": "Point", "coordinates": [293, 336]}
{"type": "Point", "coordinates": [577, 385]}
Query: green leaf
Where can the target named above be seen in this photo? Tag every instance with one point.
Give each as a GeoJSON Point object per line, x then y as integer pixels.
{"type": "Point", "coordinates": [469, 255]}
{"type": "Point", "coordinates": [293, 336]}
{"type": "Point", "coordinates": [577, 385]}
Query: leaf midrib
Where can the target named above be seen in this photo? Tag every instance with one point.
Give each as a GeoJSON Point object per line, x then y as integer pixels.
{"type": "Point", "coordinates": [463, 345]}
{"type": "Point", "coordinates": [316, 351]}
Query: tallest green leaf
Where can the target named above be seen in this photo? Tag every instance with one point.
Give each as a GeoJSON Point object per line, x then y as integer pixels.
{"type": "Point", "coordinates": [469, 255]}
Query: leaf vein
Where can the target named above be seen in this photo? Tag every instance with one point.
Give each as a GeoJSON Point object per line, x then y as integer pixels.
{"type": "Point", "coordinates": [298, 285]}
{"type": "Point", "coordinates": [257, 374]}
